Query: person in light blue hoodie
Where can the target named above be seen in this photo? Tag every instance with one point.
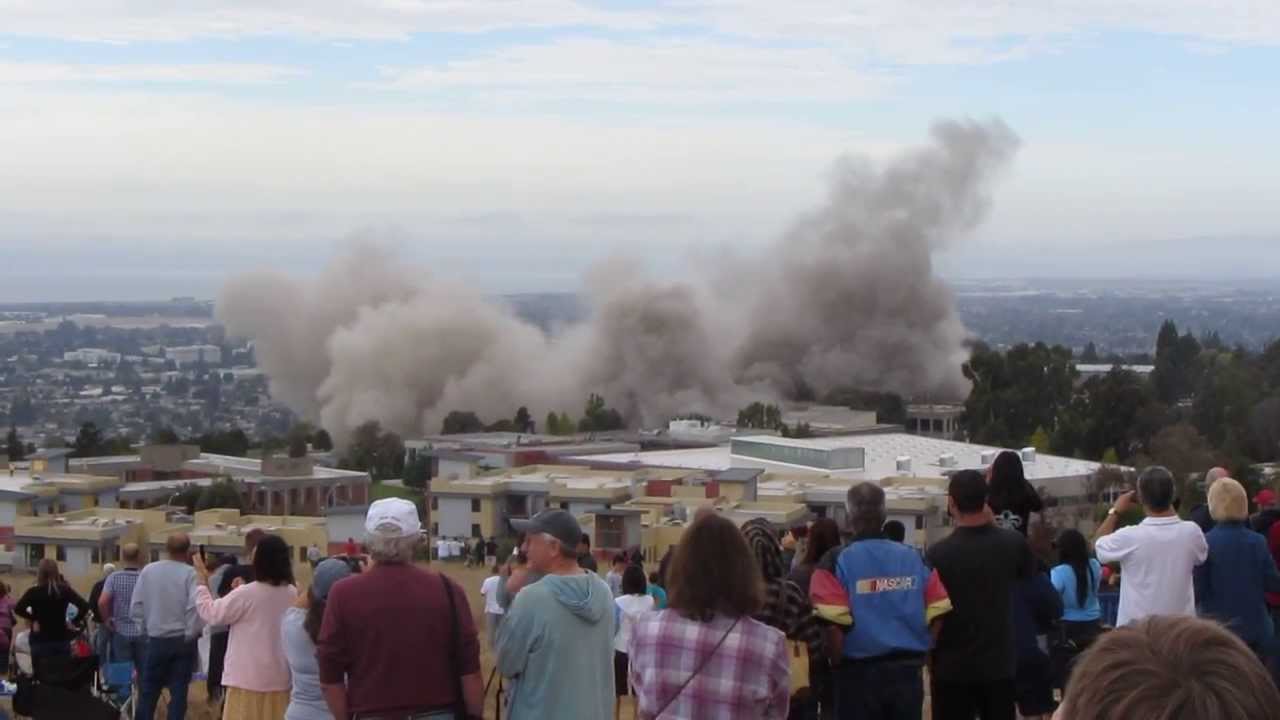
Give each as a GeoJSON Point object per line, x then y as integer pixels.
{"type": "Point", "coordinates": [556, 641]}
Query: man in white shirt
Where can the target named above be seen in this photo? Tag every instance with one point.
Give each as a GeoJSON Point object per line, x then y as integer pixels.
{"type": "Point", "coordinates": [1156, 556]}
{"type": "Point", "coordinates": [492, 608]}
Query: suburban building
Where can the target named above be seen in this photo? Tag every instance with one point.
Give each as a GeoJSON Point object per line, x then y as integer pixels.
{"type": "Point", "coordinates": [466, 455]}
{"type": "Point", "coordinates": [194, 355]}
{"type": "Point", "coordinates": [274, 485]}
{"type": "Point", "coordinates": [83, 540]}
{"type": "Point", "coordinates": [936, 421]}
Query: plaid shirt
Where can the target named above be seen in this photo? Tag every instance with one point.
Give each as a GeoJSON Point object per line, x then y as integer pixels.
{"type": "Point", "coordinates": [749, 676]}
{"type": "Point", "coordinates": [120, 584]}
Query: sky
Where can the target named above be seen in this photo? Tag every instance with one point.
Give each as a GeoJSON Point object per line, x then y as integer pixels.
{"type": "Point", "coordinates": [152, 149]}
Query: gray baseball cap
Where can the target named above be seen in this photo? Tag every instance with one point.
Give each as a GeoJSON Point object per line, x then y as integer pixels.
{"type": "Point", "coordinates": [326, 574]}
{"type": "Point", "coordinates": [559, 524]}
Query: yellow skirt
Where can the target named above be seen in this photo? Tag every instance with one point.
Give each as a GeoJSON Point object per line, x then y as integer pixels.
{"type": "Point", "coordinates": [249, 705]}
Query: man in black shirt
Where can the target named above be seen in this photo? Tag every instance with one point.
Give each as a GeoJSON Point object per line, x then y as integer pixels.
{"type": "Point", "coordinates": [975, 658]}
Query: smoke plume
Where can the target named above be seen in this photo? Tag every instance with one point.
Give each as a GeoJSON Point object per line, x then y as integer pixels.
{"type": "Point", "coordinates": [847, 297]}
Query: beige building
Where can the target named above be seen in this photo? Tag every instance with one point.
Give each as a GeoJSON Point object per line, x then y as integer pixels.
{"type": "Point", "coordinates": [83, 540]}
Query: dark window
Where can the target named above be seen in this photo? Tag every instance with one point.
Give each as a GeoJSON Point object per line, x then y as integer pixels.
{"type": "Point", "coordinates": [564, 506]}
{"type": "Point", "coordinates": [95, 555]}
{"type": "Point", "coordinates": [35, 553]}
{"type": "Point", "coordinates": [61, 553]}
{"type": "Point", "coordinates": [435, 529]}
{"type": "Point", "coordinates": [475, 530]}
{"type": "Point", "coordinates": [435, 503]}
{"type": "Point", "coordinates": [475, 504]}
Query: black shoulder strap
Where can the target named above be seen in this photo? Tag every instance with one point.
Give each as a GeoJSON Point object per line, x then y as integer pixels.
{"type": "Point", "coordinates": [454, 642]}
{"type": "Point", "coordinates": [701, 665]}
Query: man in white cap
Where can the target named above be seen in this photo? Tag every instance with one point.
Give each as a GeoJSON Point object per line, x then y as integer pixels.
{"type": "Point", "coordinates": [398, 641]}
{"type": "Point", "coordinates": [556, 641]}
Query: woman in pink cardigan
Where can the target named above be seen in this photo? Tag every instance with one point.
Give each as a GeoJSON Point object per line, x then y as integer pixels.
{"type": "Point", "coordinates": [256, 674]}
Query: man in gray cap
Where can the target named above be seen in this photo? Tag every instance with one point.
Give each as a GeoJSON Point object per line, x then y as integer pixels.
{"type": "Point", "coordinates": [556, 641]}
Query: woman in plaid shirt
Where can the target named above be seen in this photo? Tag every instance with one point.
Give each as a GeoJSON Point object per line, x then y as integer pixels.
{"type": "Point", "coordinates": [705, 657]}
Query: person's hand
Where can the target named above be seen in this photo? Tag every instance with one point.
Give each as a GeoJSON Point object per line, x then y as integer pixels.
{"type": "Point", "coordinates": [202, 570]}
{"type": "Point", "coordinates": [236, 582]}
{"type": "Point", "coordinates": [1125, 502]}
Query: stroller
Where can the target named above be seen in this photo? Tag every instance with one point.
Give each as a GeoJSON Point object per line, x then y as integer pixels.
{"type": "Point", "coordinates": [59, 688]}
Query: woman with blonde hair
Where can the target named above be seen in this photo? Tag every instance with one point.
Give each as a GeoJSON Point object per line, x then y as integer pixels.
{"type": "Point", "coordinates": [1231, 583]}
{"type": "Point", "coordinates": [45, 605]}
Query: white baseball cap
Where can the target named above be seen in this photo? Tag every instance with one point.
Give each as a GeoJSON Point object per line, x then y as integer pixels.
{"type": "Point", "coordinates": [392, 517]}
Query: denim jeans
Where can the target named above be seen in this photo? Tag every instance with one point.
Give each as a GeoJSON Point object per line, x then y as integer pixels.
{"type": "Point", "coordinates": [879, 690]}
{"type": "Point", "coordinates": [169, 663]}
{"type": "Point", "coordinates": [129, 649]}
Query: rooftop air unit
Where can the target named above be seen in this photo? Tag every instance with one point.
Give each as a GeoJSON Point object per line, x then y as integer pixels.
{"type": "Point", "coordinates": [904, 464]}
{"type": "Point", "coordinates": [1028, 454]}
{"type": "Point", "coordinates": [988, 456]}
{"type": "Point", "coordinates": [947, 460]}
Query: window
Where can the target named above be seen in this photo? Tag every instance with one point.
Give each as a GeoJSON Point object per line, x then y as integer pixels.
{"type": "Point", "coordinates": [115, 552]}
{"type": "Point", "coordinates": [610, 532]}
{"type": "Point", "coordinates": [920, 524]}
{"type": "Point", "coordinates": [564, 506]}
{"type": "Point", "coordinates": [302, 554]}
{"type": "Point", "coordinates": [475, 505]}
{"type": "Point", "coordinates": [435, 503]}
{"type": "Point", "coordinates": [35, 553]}
{"type": "Point", "coordinates": [475, 530]}
{"type": "Point", "coordinates": [60, 553]}
{"type": "Point", "coordinates": [95, 555]}
{"type": "Point", "coordinates": [435, 529]}
{"type": "Point", "coordinates": [155, 556]}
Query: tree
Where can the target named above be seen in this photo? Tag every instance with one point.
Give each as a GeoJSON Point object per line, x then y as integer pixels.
{"type": "Point", "coordinates": [321, 440]}
{"type": "Point", "coordinates": [417, 473]}
{"type": "Point", "coordinates": [298, 447]}
{"type": "Point", "coordinates": [1177, 364]}
{"type": "Point", "coordinates": [298, 439]}
{"type": "Point", "coordinates": [1040, 440]}
{"type": "Point", "coordinates": [222, 493]}
{"type": "Point", "coordinates": [379, 453]}
{"type": "Point", "coordinates": [1113, 411]}
{"type": "Point", "coordinates": [523, 421]}
{"type": "Point", "coordinates": [1090, 354]}
{"type": "Point", "coordinates": [458, 422]}
{"type": "Point", "coordinates": [759, 416]}
{"type": "Point", "coordinates": [802, 431]}
{"type": "Point", "coordinates": [13, 445]}
{"type": "Point", "coordinates": [164, 436]}
{"type": "Point", "coordinates": [551, 425]}
{"type": "Point", "coordinates": [230, 442]}
{"type": "Point", "coordinates": [88, 441]}
{"type": "Point", "coordinates": [597, 417]}
{"type": "Point", "coordinates": [1016, 392]}
{"type": "Point", "coordinates": [1186, 453]}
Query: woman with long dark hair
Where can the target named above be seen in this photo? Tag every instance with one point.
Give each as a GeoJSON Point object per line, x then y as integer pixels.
{"type": "Point", "coordinates": [823, 537]}
{"type": "Point", "coordinates": [256, 676]}
{"type": "Point", "coordinates": [1011, 498]}
{"type": "Point", "coordinates": [45, 606]}
{"type": "Point", "coordinates": [299, 631]}
{"type": "Point", "coordinates": [1076, 578]}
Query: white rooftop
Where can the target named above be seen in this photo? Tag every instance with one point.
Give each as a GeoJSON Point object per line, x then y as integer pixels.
{"type": "Point", "coordinates": [882, 453]}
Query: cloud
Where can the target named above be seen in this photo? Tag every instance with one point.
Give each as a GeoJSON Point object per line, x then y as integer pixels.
{"type": "Point", "coordinates": [687, 71]}
{"type": "Point", "coordinates": [916, 32]}
{"type": "Point", "coordinates": [45, 73]}
{"type": "Point", "coordinates": [144, 21]}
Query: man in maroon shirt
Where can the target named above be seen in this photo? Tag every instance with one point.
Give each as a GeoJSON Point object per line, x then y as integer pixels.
{"type": "Point", "coordinates": [387, 644]}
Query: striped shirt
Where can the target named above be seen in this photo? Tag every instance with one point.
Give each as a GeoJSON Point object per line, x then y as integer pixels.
{"type": "Point", "coordinates": [749, 676]}
{"type": "Point", "coordinates": [120, 584]}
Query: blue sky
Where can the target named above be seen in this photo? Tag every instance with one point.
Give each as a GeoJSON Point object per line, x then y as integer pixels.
{"type": "Point", "coordinates": [514, 143]}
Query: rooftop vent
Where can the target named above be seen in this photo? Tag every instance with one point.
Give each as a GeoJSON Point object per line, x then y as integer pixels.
{"type": "Point", "coordinates": [947, 460]}
{"type": "Point", "coordinates": [1028, 454]}
{"type": "Point", "coordinates": [904, 464]}
{"type": "Point", "coordinates": [988, 456]}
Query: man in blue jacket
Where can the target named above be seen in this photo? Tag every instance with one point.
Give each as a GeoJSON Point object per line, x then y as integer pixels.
{"type": "Point", "coordinates": [1232, 582]}
{"type": "Point", "coordinates": [878, 598]}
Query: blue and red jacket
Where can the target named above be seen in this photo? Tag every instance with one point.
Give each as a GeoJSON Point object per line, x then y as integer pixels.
{"type": "Point", "coordinates": [883, 593]}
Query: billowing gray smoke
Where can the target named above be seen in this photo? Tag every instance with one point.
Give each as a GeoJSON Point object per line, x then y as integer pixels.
{"type": "Point", "coordinates": [848, 297]}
